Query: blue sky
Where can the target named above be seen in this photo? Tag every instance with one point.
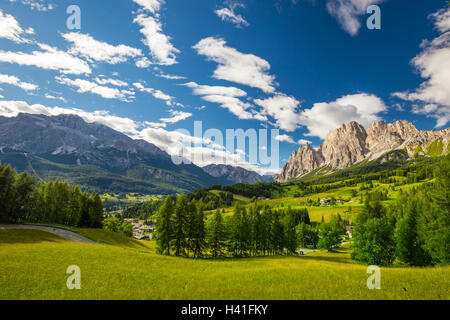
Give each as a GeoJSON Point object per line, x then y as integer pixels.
{"type": "Point", "coordinates": [150, 67]}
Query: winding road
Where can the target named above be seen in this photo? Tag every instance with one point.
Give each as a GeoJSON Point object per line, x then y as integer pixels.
{"type": "Point", "coordinates": [65, 234]}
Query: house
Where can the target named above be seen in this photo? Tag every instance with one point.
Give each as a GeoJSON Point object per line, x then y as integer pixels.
{"type": "Point", "coordinates": [145, 229]}
{"type": "Point", "coordinates": [131, 221]}
{"type": "Point", "coordinates": [350, 231]}
{"type": "Point", "coordinates": [325, 201]}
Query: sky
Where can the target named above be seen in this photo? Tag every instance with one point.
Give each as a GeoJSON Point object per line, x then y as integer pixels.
{"type": "Point", "coordinates": [152, 69]}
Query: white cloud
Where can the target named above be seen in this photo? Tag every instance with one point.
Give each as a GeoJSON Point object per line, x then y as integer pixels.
{"type": "Point", "coordinates": [124, 125]}
{"type": "Point", "coordinates": [229, 15]}
{"type": "Point", "coordinates": [171, 77]}
{"type": "Point", "coordinates": [199, 150]}
{"type": "Point", "coordinates": [153, 6]}
{"type": "Point", "coordinates": [87, 47]}
{"type": "Point", "coordinates": [13, 80]}
{"type": "Point", "coordinates": [38, 5]}
{"type": "Point", "coordinates": [234, 66]}
{"type": "Point", "coordinates": [10, 29]}
{"type": "Point", "coordinates": [177, 116]}
{"type": "Point", "coordinates": [49, 58]}
{"type": "Point", "coordinates": [288, 139]}
{"type": "Point", "coordinates": [158, 94]}
{"type": "Point", "coordinates": [326, 116]}
{"type": "Point", "coordinates": [227, 98]}
{"type": "Point", "coordinates": [92, 87]}
{"type": "Point", "coordinates": [433, 64]}
{"type": "Point", "coordinates": [303, 141]}
{"type": "Point", "coordinates": [51, 97]}
{"type": "Point", "coordinates": [442, 19]}
{"type": "Point", "coordinates": [162, 50]}
{"type": "Point", "coordinates": [348, 12]}
{"type": "Point", "coordinates": [114, 82]}
{"type": "Point", "coordinates": [283, 109]}
{"type": "Point", "coordinates": [143, 63]}
{"type": "Point", "coordinates": [234, 105]}
{"type": "Point", "coordinates": [215, 90]}
{"type": "Point", "coordinates": [285, 138]}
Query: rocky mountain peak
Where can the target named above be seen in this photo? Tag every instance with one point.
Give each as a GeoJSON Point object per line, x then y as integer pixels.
{"type": "Point", "coordinates": [352, 143]}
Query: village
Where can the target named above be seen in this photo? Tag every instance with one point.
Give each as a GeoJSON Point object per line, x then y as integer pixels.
{"type": "Point", "coordinates": [141, 231]}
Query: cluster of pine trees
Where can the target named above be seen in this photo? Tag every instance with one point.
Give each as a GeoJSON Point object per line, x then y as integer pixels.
{"type": "Point", "coordinates": [182, 230]}
{"type": "Point", "coordinates": [415, 230]}
{"type": "Point", "coordinates": [25, 200]}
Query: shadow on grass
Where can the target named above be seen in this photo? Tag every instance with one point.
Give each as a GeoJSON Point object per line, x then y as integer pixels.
{"type": "Point", "coordinates": [24, 236]}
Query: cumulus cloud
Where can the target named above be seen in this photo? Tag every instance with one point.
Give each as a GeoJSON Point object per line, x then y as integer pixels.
{"type": "Point", "coordinates": [11, 29]}
{"type": "Point", "coordinates": [13, 80]}
{"type": "Point", "coordinates": [49, 58]}
{"type": "Point", "coordinates": [433, 64]}
{"type": "Point", "coordinates": [285, 138]}
{"type": "Point", "coordinates": [92, 87]}
{"type": "Point", "coordinates": [162, 50]}
{"type": "Point", "coordinates": [228, 14]}
{"type": "Point", "coordinates": [326, 116]}
{"type": "Point", "coordinates": [234, 66]}
{"type": "Point", "coordinates": [283, 109]}
{"type": "Point", "coordinates": [348, 12]}
{"type": "Point", "coordinates": [91, 49]}
{"type": "Point", "coordinates": [153, 6]}
{"type": "Point", "coordinates": [227, 98]}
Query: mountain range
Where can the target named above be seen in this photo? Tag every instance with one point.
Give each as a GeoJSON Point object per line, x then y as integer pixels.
{"type": "Point", "coordinates": [93, 155]}
{"type": "Point", "coordinates": [236, 174]}
{"type": "Point", "coordinates": [352, 144]}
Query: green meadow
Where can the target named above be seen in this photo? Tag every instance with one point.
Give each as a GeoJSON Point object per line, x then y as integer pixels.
{"type": "Point", "coordinates": [33, 265]}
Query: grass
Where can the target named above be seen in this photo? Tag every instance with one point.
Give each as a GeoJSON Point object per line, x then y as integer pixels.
{"type": "Point", "coordinates": [33, 266]}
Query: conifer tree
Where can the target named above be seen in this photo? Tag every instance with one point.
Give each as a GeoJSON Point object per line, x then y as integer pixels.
{"type": "Point", "coordinates": [163, 230]}
{"type": "Point", "coordinates": [217, 234]}
{"type": "Point", "coordinates": [180, 226]}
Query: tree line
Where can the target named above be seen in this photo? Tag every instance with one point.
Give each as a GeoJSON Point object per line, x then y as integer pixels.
{"type": "Point", "coordinates": [25, 200]}
{"type": "Point", "coordinates": [183, 230]}
{"type": "Point", "coordinates": [414, 231]}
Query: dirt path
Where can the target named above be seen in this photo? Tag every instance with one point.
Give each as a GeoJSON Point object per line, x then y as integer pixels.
{"type": "Point", "coordinates": [65, 234]}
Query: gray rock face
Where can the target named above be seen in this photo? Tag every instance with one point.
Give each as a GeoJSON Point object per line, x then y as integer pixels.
{"type": "Point", "coordinates": [235, 174]}
{"type": "Point", "coordinates": [352, 143]}
{"type": "Point", "coordinates": [77, 141]}
{"type": "Point", "coordinates": [344, 146]}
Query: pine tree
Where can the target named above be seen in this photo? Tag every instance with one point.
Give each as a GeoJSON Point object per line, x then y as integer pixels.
{"type": "Point", "coordinates": [197, 232]}
{"type": "Point", "coordinates": [408, 244]}
{"type": "Point", "coordinates": [96, 211]}
{"type": "Point", "coordinates": [163, 230]}
{"type": "Point", "coordinates": [85, 217]}
{"type": "Point", "coordinates": [180, 226]}
{"type": "Point", "coordinates": [217, 235]}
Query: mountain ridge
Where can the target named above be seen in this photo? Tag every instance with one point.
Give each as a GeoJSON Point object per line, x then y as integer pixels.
{"type": "Point", "coordinates": [236, 174]}
{"type": "Point", "coordinates": [352, 143]}
{"type": "Point", "coordinates": [69, 140]}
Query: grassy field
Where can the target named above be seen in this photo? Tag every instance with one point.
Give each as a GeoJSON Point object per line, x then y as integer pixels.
{"type": "Point", "coordinates": [33, 266]}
